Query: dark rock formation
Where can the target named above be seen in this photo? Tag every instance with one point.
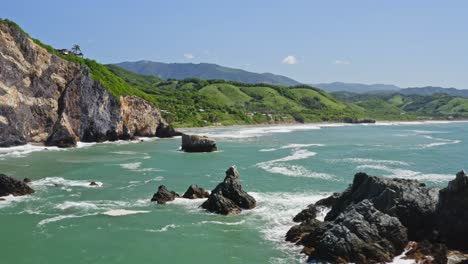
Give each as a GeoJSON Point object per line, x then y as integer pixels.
{"type": "Point", "coordinates": [409, 200]}
{"type": "Point", "coordinates": [46, 99]}
{"type": "Point", "coordinates": [165, 130]}
{"type": "Point", "coordinates": [228, 197]}
{"type": "Point", "coordinates": [193, 143]}
{"type": "Point", "coordinates": [9, 185]}
{"type": "Point", "coordinates": [93, 183]}
{"type": "Point", "coordinates": [163, 195]}
{"type": "Point", "coordinates": [195, 192]}
{"type": "Point", "coordinates": [452, 213]}
{"type": "Point", "coordinates": [358, 121]}
{"type": "Point", "coordinates": [361, 234]}
{"type": "Point", "coordinates": [27, 180]}
{"type": "Point", "coordinates": [307, 214]}
{"type": "Point", "coordinates": [373, 219]}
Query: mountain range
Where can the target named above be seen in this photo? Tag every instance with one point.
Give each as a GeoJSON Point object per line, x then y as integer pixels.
{"type": "Point", "coordinates": [205, 71]}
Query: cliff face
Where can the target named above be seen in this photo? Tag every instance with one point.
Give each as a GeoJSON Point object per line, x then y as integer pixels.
{"type": "Point", "coordinates": [46, 99]}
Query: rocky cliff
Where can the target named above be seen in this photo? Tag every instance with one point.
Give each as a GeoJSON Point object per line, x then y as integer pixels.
{"type": "Point", "coordinates": [46, 99]}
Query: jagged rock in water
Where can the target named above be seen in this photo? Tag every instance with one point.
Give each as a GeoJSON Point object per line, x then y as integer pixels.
{"type": "Point", "coordinates": [309, 213]}
{"type": "Point", "coordinates": [9, 185]}
{"type": "Point", "coordinates": [411, 201]}
{"type": "Point", "coordinates": [194, 143]}
{"type": "Point", "coordinates": [163, 195]}
{"type": "Point", "coordinates": [452, 213]}
{"type": "Point", "coordinates": [46, 99]}
{"type": "Point", "coordinates": [195, 192]}
{"type": "Point", "coordinates": [330, 201]}
{"type": "Point", "coordinates": [165, 130]}
{"type": "Point", "coordinates": [228, 197]}
{"type": "Point", "coordinates": [360, 234]}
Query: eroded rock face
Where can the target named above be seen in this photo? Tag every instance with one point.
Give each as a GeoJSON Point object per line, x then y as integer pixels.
{"type": "Point", "coordinates": [195, 192]}
{"type": "Point", "coordinates": [360, 234]}
{"type": "Point", "coordinates": [452, 213]}
{"type": "Point", "coordinates": [228, 197]}
{"type": "Point", "coordinates": [194, 143]}
{"type": "Point", "coordinates": [409, 200]}
{"type": "Point", "coordinates": [163, 195]}
{"type": "Point", "coordinates": [372, 220]}
{"type": "Point", "coordinates": [11, 186]}
{"type": "Point", "coordinates": [46, 99]}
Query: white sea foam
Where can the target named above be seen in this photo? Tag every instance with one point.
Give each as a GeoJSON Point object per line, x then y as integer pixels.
{"type": "Point", "coordinates": [373, 161]}
{"type": "Point", "coordinates": [223, 223]}
{"type": "Point", "coordinates": [301, 146]}
{"type": "Point", "coordinates": [61, 182]}
{"type": "Point", "coordinates": [163, 229]}
{"type": "Point", "coordinates": [192, 205]}
{"type": "Point", "coordinates": [280, 166]}
{"type": "Point", "coordinates": [121, 212]}
{"type": "Point", "coordinates": [275, 212]}
{"type": "Point", "coordinates": [408, 174]}
{"type": "Point", "coordinates": [131, 166]}
{"type": "Point", "coordinates": [11, 200]}
{"type": "Point", "coordinates": [126, 152]}
{"type": "Point", "coordinates": [74, 206]}
{"type": "Point", "coordinates": [21, 151]}
{"type": "Point", "coordinates": [267, 150]}
{"type": "Point", "coordinates": [61, 217]}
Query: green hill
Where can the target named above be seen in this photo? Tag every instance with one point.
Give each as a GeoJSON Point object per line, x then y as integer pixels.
{"type": "Point", "coordinates": [205, 71]}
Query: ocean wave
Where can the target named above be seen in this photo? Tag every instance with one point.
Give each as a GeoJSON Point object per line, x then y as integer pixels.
{"type": "Point", "coordinates": [163, 229]}
{"type": "Point", "coordinates": [122, 212]}
{"type": "Point", "coordinates": [223, 223]}
{"type": "Point", "coordinates": [11, 200]}
{"type": "Point", "coordinates": [24, 150]}
{"type": "Point", "coordinates": [61, 217]}
{"type": "Point", "coordinates": [267, 150]}
{"type": "Point", "coordinates": [302, 145]}
{"type": "Point", "coordinates": [61, 182]}
{"type": "Point", "coordinates": [280, 166]}
{"type": "Point", "coordinates": [136, 166]}
{"type": "Point", "coordinates": [275, 212]}
{"type": "Point", "coordinates": [408, 174]}
{"type": "Point", "coordinates": [126, 152]}
{"type": "Point", "coordinates": [373, 161]}
{"type": "Point", "coordinates": [440, 142]}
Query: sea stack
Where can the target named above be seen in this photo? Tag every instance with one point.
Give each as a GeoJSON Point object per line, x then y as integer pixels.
{"type": "Point", "coordinates": [163, 195]}
{"type": "Point", "coordinates": [228, 197]}
{"type": "Point", "coordinates": [194, 143]}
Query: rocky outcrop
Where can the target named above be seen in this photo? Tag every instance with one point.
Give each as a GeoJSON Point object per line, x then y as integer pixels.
{"type": "Point", "coordinates": [194, 143]}
{"type": "Point", "coordinates": [373, 220]}
{"type": "Point", "coordinates": [11, 186]}
{"type": "Point", "coordinates": [408, 200]}
{"type": "Point", "coordinates": [452, 213]}
{"type": "Point", "coordinates": [163, 195]}
{"type": "Point", "coordinates": [46, 99]}
{"type": "Point", "coordinates": [358, 121]}
{"type": "Point", "coordinates": [195, 192]}
{"type": "Point", "coordinates": [228, 197]}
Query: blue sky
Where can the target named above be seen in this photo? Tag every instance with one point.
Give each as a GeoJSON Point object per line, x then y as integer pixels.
{"type": "Point", "coordinates": [407, 43]}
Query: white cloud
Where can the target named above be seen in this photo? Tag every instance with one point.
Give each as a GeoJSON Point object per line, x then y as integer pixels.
{"type": "Point", "coordinates": [342, 62]}
{"type": "Point", "coordinates": [189, 56]}
{"type": "Point", "coordinates": [290, 59]}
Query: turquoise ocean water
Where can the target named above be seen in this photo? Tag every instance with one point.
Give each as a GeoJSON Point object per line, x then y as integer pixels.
{"type": "Point", "coordinates": [284, 167]}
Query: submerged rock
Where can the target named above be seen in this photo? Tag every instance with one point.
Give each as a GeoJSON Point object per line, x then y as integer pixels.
{"type": "Point", "coordinates": [194, 143]}
{"type": "Point", "coordinates": [228, 197]}
{"type": "Point", "coordinates": [163, 195]}
{"type": "Point", "coordinates": [11, 186]}
{"type": "Point", "coordinates": [358, 121]}
{"type": "Point", "coordinates": [195, 192]}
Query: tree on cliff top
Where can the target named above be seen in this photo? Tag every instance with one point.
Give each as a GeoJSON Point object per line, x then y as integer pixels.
{"type": "Point", "coordinates": [77, 50]}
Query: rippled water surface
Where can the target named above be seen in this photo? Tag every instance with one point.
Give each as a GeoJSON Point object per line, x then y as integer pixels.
{"type": "Point", "coordinates": [284, 167]}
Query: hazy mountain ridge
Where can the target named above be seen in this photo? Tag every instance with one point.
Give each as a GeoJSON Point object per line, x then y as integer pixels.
{"type": "Point", "coordinates": [205, 71]}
